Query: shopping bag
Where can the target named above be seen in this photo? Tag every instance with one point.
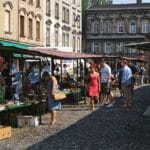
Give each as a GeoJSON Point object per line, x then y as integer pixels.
{"type": "Point", "coordinates": [60, 95]}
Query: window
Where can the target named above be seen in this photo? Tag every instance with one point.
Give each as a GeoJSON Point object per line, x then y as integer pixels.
{"type": "Point", "coordinates": [89, 47]}
{"type": "Point", "coordinates": [145, 26]}
{"type": "Point", "coordinates": [73, 19]}
{"type": "Point", "coordinates": [56, 10]}
{"type": "Point", "coordinates": [22, 26]}
{"type": "Point", "coordinates": [56, 36]}
{"type": "Point", "coordinates": [63, 14]}
{"type": "Point", "coordinates": [96, 47]}
{"type": "Point", "coordinates": [38, 3]}
{"type": "Point", "coordinates": [67, 16]}
{"type": "Point", "coordinates": [37, 30]}
{"type": "Point", "coordinates": [63, 39]}
{"type": "Point", "coordinates": [132, 50]}
{"type": "Point", "coordinates": [79, 44]}
{"type": "Point", "coordinates": [78, 20]}
{"type": "Point", "coordinates": [120, 27]}
{"type": "Point", "coordinates": [95, 26]}
{"type": "Point", "coordinates": [47, 36]}
{"type": "Point", "coordinates": [48, 7]}
{"type": "Point", "coordinates": [67, 39]}
{"type": "Point", "coordinates": [74, 44]}
{"type": "Point", "coordinates": [30, 28]}
{"type": "Point", "coordinates": [7, 21]}
{"type": "Point", "coordinates": [119, 47]}
{"type": "Point", "coordinates": [108, 47]}
{"type": "Point", "coordinates": [107, 27]}
{"type": "Point", "coordinates": [132, 27]}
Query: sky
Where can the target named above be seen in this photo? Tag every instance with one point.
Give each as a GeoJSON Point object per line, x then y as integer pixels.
{"type": "Point", "coordinates": [128, 1]}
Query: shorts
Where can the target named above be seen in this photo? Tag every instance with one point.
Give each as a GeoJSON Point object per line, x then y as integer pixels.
{"type": "Point", "coordinates": [126, 90]}
{"type": "Point", "coordinates": [104, 89]}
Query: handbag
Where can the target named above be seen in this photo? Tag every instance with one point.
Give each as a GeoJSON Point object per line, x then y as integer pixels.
{"type": "Point", "coordinates": [60, 95]}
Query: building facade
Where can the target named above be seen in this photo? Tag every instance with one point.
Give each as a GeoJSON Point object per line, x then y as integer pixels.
{"type": "Point", "coordinates": [110, 27]}
{"type": "Point", "coordinates": [21, 23]}
{"type": "Point", "coordinates": [63, 25]}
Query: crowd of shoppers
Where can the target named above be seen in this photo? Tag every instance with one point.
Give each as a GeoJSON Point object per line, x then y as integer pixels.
{"type": "Point", "coordinates": [101, 80]}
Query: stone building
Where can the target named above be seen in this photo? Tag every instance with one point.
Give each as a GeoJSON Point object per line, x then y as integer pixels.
{"type": "Point", "coordinates": [110, 27]}
{"type": "Point", "coordinates": [21, 23]}
{"type": "Point", "coordinates": [62, 24]}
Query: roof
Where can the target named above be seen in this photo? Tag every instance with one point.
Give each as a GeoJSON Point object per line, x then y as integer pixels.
{"type": "Point", "coordinates": [145, 46]}
{"type": "Point", "coordinates": [47, 52]}
{"type": "Point", "coordinates": [14, 44]}
{"type": "Point", "coordinates": [119, 6]}
{"type": "Point", "coordinates": [62, 54]}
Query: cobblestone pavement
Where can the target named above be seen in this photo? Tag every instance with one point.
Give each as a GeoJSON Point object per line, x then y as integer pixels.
{"type": "Point", "coordinates": [78, 129]}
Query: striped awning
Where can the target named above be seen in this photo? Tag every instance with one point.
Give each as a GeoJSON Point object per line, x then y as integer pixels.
{"type": "Point", "coordinates": [145, 46]}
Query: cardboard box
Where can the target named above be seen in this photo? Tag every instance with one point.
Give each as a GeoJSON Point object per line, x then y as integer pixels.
{"type": "Point", "coordinates": [27, 121]}
{"type": "Point", "coordinates": [5, 132]}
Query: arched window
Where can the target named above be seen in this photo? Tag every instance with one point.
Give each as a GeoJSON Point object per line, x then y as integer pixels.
{"type": "Point", "coordinates": [8, 7]}
{"type": "Point", "coordinates": [22, 13]}
{"type": "Point", "coordinates": [22, 26]}
{"type": "Point", "coordinates": [47, 35]}
{"type": "Point", "coordinates": [56, 35]}
{"type": "Point", "coordinates": [38, 29]}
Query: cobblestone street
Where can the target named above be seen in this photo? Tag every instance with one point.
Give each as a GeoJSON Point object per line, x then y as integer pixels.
{"type": "Point", "coordinates": [78, 129]}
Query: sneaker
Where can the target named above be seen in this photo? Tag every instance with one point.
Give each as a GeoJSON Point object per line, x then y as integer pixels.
{"type": "Point", "coordinates": [109, 105]}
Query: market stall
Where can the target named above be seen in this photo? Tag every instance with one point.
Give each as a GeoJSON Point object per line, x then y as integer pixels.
{"type": "Point", "coordinates": [31, 101]}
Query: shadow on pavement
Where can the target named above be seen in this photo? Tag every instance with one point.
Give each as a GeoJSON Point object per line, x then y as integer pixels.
{"type": "Point", "coordinates": [106, 129]}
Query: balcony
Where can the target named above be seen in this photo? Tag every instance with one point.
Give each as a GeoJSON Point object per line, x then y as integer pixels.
{"type": "Point", "coordinates": [91, 35]}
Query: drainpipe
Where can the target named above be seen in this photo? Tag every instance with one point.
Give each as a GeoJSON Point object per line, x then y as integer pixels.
{"type": "Point", "coordinates": [18, 22]}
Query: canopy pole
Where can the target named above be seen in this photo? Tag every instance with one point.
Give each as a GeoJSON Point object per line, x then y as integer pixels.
{"type": "Point", "coordinates": [40, 92]}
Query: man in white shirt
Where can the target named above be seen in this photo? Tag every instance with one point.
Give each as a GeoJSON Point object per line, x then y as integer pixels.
{"type": "Point", "coordinates": [105, 75]}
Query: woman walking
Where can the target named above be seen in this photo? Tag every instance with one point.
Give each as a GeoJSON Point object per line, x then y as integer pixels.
{"type": "Point", "coordinates": [93, 86]}
{"type": "Point", "coordinates": [52, 87]}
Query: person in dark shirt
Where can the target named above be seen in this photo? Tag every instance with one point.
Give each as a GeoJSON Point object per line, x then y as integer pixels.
{"type": "Point", "coordinates": [134, 73]}
{"type": "Point", "coordinates": [7, 77]}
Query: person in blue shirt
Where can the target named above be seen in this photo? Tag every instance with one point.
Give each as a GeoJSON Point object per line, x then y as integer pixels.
{"type": "Point", "coordinates": [126, 83]}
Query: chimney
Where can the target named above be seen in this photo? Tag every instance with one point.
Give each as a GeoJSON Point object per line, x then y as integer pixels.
{"type": "Point", "coordinates": [139, 1]}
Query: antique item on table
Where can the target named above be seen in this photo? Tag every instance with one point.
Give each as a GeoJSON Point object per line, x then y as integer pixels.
{"type": "Point", "coordinates": [60, 95]}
